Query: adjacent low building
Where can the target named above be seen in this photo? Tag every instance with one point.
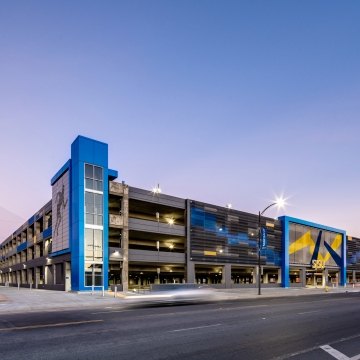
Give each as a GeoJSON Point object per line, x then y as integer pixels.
{"type": "Point", "coordinates": [97, 232]}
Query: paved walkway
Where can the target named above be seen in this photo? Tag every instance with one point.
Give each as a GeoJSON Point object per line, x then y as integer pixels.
{"type": "Point", "coordinates": [24, 300]}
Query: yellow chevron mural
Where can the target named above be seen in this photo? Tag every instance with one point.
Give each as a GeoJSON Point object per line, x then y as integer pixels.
{"type": "Point", "coordinates": [307, 243]}
{"type": "Point", "coordinates": [304, 241]}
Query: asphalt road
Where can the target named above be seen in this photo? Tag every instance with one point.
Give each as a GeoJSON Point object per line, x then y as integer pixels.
{"type": "Point", "coordinates": [272, 328]}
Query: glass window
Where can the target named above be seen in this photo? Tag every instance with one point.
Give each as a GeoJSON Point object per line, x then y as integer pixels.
{"type": "Point", "coordinates": [98, 174]}
{"type": "Point", "coordinates": [89, 183]}
{"type": "Point", "coordinates": [98, 245]}
{"type": "Point", "coordinates": [89, 240]}
{"type": "Point", "coordinates": [98, 202]}
{"type": "Point", "coordinates": [93, 177]}
{"type": "Point", "coordinates": [93, 208]}
{"type": "Point", "coordinates": [89, 202]}
{"type": "Point", "coordinates": [88, 171]}
{"type": "Point", "coordinates": [93, 274]}
{"type": "Point", "coordinates": [93, 244]}
{"type": "Point", "coordinates": [98, 185]}
{"type": "Point", "coordinates": [90, 219]}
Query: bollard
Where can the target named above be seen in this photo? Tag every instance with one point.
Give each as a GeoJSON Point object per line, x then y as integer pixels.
{"type": "Point", "coordinates": [30, 286]}
{"type": "Point", "coordinates": [115, 291]}
{"type": "Point", "coordinates": [18, 286]}
{"type": "Point", "coordinates": [103, 291]}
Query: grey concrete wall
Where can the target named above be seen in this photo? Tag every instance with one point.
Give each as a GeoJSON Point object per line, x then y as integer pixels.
{"type": "Point", "coordinates": [156, 227]}
{"type": "Point", "coordinates": [156, 257]}
{"type": "Point", "coordinates": [148, 196]}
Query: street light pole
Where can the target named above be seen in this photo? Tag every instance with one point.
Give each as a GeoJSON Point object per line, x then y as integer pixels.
{"type": "Point", "coordinates": [280, 203]}
{"type": "Point", "coordinates": [259, 257]}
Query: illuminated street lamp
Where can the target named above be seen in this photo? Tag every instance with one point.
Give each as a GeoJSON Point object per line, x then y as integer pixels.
{"type": "Point", "coordinates": [280, 203]}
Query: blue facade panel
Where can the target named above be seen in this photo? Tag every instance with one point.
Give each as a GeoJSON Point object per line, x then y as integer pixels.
{"type": "Point", "coordinates": [86, 151]}
{"type": "Point", "coordinates": [113, 174]}
{"type": "Point", "coordinates": [65, 167]}
{"type": "Point", "coordinates": [21, 247]}
{"type": "Point", "coordinates": [61, 252]}
{"type": "Point", "coordinates": [31, 220]}
{"type": "Point", "coordinates": [47, 233]}
{"type": "Point", "coordinates": [285, 271]}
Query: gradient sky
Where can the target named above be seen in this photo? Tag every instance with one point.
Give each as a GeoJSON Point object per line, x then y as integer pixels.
{"type": "Point", "coordinates": [218, 101]}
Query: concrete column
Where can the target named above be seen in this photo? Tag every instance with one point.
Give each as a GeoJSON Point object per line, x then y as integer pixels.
{"type": "Point", "coordinates": [23, 276]}
{"type": "Point", "coordinates": [190, 272]}
{"type": "Point", "coordinates": [226, 276]}
{"type": "Point", "coordinates": [255, 274]}
{"type": "Point", "coordinates": [67, 276]}
{"type": "Point", "coordinates": [279, 276]}
{"type": "Point", "coordinates": [189, 265]}
{"type": "Point", "coordinates": [46, 274]}
{"type": "Point", "coordinates": [125, 239]}
{"type": "Point", "coordinates": [37, 277]}
{"type": "Point", "coordinates": [265, 278]}
{"type": "Point", "coordinates": [30, 276]}
{"type": "Point", "coordinates": [303, 277]}
{"type": "Point", "coordinates": [325, 277]}
{"type": "Point", "coordinates": [54, 274]}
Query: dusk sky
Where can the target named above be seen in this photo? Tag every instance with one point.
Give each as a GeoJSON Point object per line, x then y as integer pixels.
{"type": "Point", "coordinates": [218, 101]}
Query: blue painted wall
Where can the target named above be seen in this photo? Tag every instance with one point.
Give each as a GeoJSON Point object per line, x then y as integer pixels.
{"type": "Point", "coordinates": [85, 150]}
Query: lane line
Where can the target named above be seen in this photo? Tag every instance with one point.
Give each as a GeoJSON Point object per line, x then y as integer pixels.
{"type": "Point", "coordinates": [110, 312]}
{"type": "Point", "coordinates": [195, 328]}
{"type": "Point", "coordinates": [244, 307]}
{"type": "Point", "coordinates": [334, 353]}
{"type": "Point", "coordinates": [308, 312]}
{"type": "Point", "coordinates": [51, 325]}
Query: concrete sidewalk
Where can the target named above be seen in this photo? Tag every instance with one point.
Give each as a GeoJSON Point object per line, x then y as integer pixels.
{"type": "Point", "coordinates": [13, 300]}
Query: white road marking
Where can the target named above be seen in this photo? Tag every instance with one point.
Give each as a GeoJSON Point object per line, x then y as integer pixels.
{"type": "Point", "coordinates": [195, 328]}
{"type": "Point", "coordinates": [334, 353]}
{"type": "Point", "coordinates": [308, 312]}
{"type": "Point", "coordinates": [243, 307]}
{"type": "Point", "coordinates": [110, 311]}
{"type": "Point", "coordinates": [50, 325]}
{"type": "Point", "coordinates": [313, 348]}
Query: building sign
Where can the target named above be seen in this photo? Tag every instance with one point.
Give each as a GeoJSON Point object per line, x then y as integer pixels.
{"type": "Point", "coordinates": [318, 264]}
{"type": "Point", "coordinates": [60, 213]}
